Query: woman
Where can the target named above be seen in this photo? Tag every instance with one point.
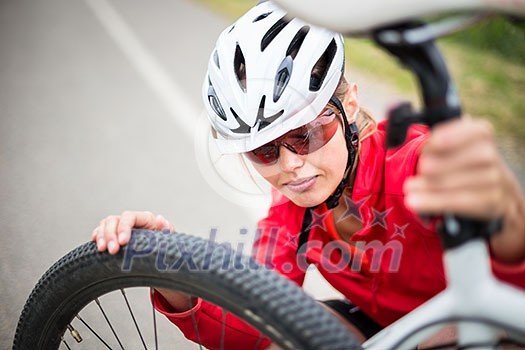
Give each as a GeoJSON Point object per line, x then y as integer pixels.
{"type": "Point", "coordinates": [275, 91]}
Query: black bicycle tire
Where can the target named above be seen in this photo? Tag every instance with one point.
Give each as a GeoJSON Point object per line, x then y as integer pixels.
{"type": "Point", "coordinates": [271, 303]}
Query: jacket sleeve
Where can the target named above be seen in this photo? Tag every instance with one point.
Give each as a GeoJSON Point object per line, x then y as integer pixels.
{"type": "Point", "coordinates": [206, 324]}
{"type": "Point", "coordinates": [274, 247]}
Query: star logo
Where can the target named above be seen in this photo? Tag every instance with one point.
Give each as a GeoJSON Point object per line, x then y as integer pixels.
{"type": "Point", "coordinates": [399, 231]}
{"type": "Point", "coordinates": [318, 220]}
{"type": "Point", "coordinates": [291, 240]}
{"type": "Point", "coordinates": [261, 121]}
{"type": "Point", "coordinates": [353, 209]}
{"type": "Point", "coordinates": [379, 217]}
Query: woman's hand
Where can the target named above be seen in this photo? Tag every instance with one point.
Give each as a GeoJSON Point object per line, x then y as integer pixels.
{"type": "Point", "coordinates": [461, 172]}
{"type": "Point", "coordinates": [115, 230]}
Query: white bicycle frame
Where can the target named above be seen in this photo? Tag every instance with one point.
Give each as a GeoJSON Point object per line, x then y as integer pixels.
{"type": "Point", "coordinates": [350, 16]}
{"type": "Point", "coordinates": [481, 306]}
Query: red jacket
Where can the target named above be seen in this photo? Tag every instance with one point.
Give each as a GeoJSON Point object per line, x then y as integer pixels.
{"type": "Point", "coordinates": [393, 265]}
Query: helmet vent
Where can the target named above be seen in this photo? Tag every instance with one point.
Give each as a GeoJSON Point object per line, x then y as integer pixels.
{"type": "Point", "coordinates": [239, 65]}
{"type": "Point", "coordinates": [273, 32]}
{"type": "Point", "coordinates": [297, 41]}
{"type": "Point", "coordinates": [215, 103]}
{"type": "Point", "coordinates": [243, 127]}
{"type": "Point", "coordinates": [320, 69]}
{"type": "Point", "coordinates": [216, 59]}
{"type": "Point", "coordinates": [261, 120]}
{"type": "Point", "coordinates": [283, 77]}
{"type": "Point", "coordinates": [263, 16]}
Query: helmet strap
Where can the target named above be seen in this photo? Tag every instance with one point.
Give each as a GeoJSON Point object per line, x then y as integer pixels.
{"type": "Point", "coordinates": [352, 142]}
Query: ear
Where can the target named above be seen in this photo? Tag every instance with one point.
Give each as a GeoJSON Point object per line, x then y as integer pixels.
{"type": "Point", "coordinates": [351, 102]}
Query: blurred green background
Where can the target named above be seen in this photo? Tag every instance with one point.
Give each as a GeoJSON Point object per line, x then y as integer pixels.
{"type": "Point", "coordinates": [486, 62]}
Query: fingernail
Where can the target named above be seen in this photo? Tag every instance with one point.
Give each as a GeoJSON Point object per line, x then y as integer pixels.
{"type": "Point", "coordinates": [121, 237]}
{"type": "Point", "coordinates": [101, 244]}
{"type": "Point", "coordinates": [112, 245]}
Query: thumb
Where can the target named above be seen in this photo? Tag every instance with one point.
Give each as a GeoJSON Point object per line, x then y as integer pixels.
{"type": "Point", "coordinates": [162, 224]}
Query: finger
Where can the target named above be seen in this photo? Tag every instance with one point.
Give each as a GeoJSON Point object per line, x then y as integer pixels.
{"type": "Point", "coordinates": [145, 219]}
{"type": "Point", "coordinates": [100, 239]}
{"type": "Point", "coordinates": [110, 233]}
{"type": "Point", "coordinates": [101, 242]}
{"type": "Point", "coordinates": [472, 179]}
{"type": "Point", "coordinates": [161, 223]}
{"type": "Point", "coordinates": [484, 204]}
{"type": "Point", "coordinates": [94, 234]}
{"type": "Point", "coordinates": [126, 223]}
{"type": "Point", "coordinates": [134, 219]}
{"type": "Point", "coordinates": [473, 156]}
{"type": "Point", "coordinates": [457, 133]}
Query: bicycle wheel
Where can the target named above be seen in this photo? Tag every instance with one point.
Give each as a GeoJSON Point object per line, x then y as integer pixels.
{"type": "Point", "coordinates": [259, 296]}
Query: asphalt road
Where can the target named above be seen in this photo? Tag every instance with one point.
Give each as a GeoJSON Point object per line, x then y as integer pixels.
{"type": "Point", "coordinates": [100, 112]}
{"type": "Point", "coordinates": [98, 106]}
{"type": "Point", "coordinates": [95, 103]}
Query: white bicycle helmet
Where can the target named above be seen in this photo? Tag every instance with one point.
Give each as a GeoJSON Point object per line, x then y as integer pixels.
{"type": "Point", "coordinates": [260, 84]}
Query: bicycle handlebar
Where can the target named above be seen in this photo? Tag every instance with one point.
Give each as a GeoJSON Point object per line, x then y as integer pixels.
{"type": "Point", "coordinates": [347, 16]}
{"type": "Point", "coordinates": [394, 29]}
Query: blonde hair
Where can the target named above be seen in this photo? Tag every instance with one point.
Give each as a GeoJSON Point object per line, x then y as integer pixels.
{"type": "Point", "coordinates": [366, 123]}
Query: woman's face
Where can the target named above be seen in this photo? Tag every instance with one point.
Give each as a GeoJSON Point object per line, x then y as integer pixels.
{"type": "Point", "coordinates": [308, 180]}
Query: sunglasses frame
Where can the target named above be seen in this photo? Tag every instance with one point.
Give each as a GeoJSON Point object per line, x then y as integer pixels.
{"type": "Point", "coordinates": [276, 144]}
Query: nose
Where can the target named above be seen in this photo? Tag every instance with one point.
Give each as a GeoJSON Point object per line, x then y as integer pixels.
{"type": "Point", "coordinates": [288, 160]}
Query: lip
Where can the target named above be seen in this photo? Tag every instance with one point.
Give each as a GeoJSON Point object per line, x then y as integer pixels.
{"type": "Point", "coordinates": [301, 185]}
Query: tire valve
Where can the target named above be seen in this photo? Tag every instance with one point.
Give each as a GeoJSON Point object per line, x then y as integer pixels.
{"type": "Point", "coordinates": [74, 333]}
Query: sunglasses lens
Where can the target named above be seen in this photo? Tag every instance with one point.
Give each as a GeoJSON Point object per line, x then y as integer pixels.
{"type": "Point", "coordinates": [303, 140]}
{"type": "Point", "coordinates": [264, 155]}
{"type": "Point", "coordinates": [313, 136]}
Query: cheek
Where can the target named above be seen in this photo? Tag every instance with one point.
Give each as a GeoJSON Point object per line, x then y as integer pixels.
{"type": "Point", "coordinates": [331, 159]}
{"type": "Point", "coordinates": [269, 173]}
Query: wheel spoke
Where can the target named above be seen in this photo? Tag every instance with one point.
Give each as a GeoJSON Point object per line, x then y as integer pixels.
{"type": "Point", "coordinates": [109, 323]}
{"type": "Point", "coordinates": [65, 343]}
{"type": "Point", "coordinates": [223, 328]}
{"type": "Point", "coordinates": [258, 344]}
{"type": "Point", "coordinates": [93, 331]}
{"type": "Point", "coordinates": [134, 320]}
{"type": "Point", "coordinates": [152, 291]}
{"type": "Point", "coordinates": [194, 320]}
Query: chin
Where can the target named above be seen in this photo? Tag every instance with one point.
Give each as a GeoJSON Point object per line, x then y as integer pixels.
{"type": "Point", "coordinates": [307, 200]}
